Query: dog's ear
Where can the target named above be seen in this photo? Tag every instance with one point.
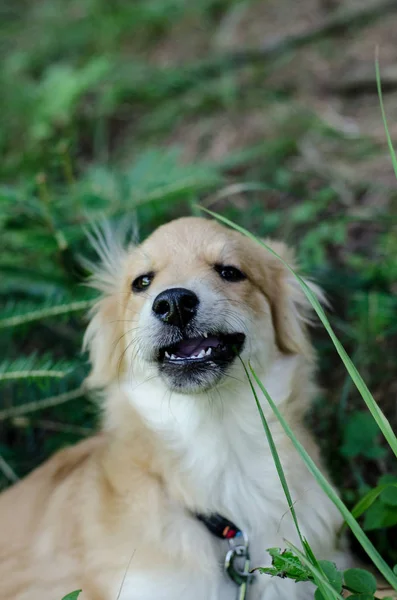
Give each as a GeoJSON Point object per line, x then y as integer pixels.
{"type": "Point", "coordinates": [103, 338]}
{"type": "Point", "coordinates": [291, 310]}
{"type": "Point", "coordinates": [104, 342]}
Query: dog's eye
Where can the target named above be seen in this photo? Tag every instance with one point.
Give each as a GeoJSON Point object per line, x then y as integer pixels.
{"type": "Point", "coordinates": [230, 273]}
{"type": "Point", "coordinates": [142, 282]}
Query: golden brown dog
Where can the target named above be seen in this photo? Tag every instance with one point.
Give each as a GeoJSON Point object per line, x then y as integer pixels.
{"type": "Point", "coordinates": [117, 515]}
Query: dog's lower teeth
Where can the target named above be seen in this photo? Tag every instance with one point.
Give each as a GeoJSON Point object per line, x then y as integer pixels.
{"type": "Point", "coordinates": [204, 352]}
{"type": "Point", "coordinates": [201, 354]}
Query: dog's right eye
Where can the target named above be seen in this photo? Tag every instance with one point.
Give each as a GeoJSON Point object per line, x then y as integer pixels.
{"type": "Point", "coordinates": [229, 273]}
{"type": "Point", "coordinates": [142, 282]}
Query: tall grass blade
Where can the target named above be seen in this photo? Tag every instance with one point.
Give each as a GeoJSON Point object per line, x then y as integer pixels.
{"type": "Point", "coordinates": [34, 374]}
{"type": "Point", "coordinates": [276, 458]}
{"type": "Point", "coordinates": [44, 313]}
{"type": "Point", "coordinates": [310, 559]}
{"type": "Point", "coordinates": [384, 118]}
{"type": "Point", "coordinates": [329, 490]}
{"type": "Point", "coordinates": [376, 412]}
{"type": "Point", "coordinates": [319, 577]}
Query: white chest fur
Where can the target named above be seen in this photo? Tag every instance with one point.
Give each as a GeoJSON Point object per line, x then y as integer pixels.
{"type": "Point", "coordinates": [220, 462]}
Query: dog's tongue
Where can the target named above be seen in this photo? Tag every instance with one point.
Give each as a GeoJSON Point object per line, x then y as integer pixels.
{"type": "Point", "coordinates": [194, 346]}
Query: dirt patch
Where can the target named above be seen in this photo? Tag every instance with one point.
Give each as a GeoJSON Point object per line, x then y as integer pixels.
{"type": "Point", "coordinates": [333, 78]}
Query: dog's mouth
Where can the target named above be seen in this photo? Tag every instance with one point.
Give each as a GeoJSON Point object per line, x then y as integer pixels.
{"type": "Point", "coordinates": [217, 348]}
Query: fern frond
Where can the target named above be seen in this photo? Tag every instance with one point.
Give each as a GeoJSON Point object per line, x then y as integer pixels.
{"type": "Point", "coordinates": [155, 175]}
{"type": "Point", "coordinates": [34, 374]}
{"type": "Point", "coordinates": [23, 312]}
{"type": "Point", "coordinates": [50, 402]}
{"type": "Point", "coordinates": [32, 367]}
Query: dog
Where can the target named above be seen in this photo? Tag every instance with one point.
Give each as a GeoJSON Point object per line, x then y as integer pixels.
{"type": "Point", "coordinates": [128, 514]}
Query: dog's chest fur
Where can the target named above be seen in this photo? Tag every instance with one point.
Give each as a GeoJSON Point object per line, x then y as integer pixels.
{"type": "Point", "coordinates": [219, 461]}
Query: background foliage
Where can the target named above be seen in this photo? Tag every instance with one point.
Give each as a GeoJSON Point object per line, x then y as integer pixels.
{"type": "Point", "coordinates": [137, 112]}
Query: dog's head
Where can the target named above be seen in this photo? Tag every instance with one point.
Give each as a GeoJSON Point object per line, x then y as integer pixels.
{"type": "Point", "coordinates": [187, 302]}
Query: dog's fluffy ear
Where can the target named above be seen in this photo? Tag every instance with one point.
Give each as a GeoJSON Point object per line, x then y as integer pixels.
{"type": "Point", "coordinates": [103, 338]}
{"type": "Point", "coordinates": [291, 310]}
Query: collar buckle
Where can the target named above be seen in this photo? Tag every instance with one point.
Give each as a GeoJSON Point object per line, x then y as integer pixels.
{"type": "Point", "coordinates": [237, 563]}
{"type": "Point", "coordinates": [237, 559]}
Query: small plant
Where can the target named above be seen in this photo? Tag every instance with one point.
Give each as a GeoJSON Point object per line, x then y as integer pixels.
{"type": "Point", "coordinates": [286, 564]}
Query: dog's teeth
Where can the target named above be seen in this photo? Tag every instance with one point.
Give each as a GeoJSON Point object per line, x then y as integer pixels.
{"type": "Point", "coordinates": [208, 351]}
{"type": "Point", "coordinates": [167, 355]}
{"type": "Point", "coordinates": [173, 357]}
{"type": "Point", "coordinates": [201, 354]}
{"type": "Point", "coordinates": [205, 335]}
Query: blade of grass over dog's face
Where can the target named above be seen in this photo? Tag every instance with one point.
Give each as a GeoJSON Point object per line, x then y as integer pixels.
{"type": "Point", "coordinates": [276, 458]}
{"type": "Point", "coordinates": [310, 558]}
{"type": "Point", "coordinates": [382, 109]}
{"type": "Point", "coordinates": [329, 490]}
{"type": "Point", "coordinates": [376, 412]}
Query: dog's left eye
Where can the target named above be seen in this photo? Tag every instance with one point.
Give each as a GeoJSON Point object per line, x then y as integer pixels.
{"type": "Point", "coordinates": [142, 282]}
{"type": "Point", "coordinates": [230, 273]}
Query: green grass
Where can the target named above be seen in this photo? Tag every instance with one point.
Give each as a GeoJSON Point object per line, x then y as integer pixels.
{"type": "Point", "coordinates": [93, 127]}
{"type": "Point", "coordinates": [307, 558]}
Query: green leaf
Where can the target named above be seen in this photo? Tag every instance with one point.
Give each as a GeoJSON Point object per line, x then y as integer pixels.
{"type": "Point", "coordinates": [359, 580]}
{"type": "Point", "coordinates": [375, 452]}
{"type": "Point", "coordinates": [318, 577]}
{"type": "Point", "coordinates": [71, 84]}
{"type": "Point", "coordinates": [288, 564]}
{"type": "Point", "coordinates": [73, 595]}
{"type": "Point", "coordinates": [374, 517]}
{"type": "Point", "coordinates": [389, 494]}
{"type": "Point", "coordinates": [359, 434]}
{"type": "Point", "coordinates": [366, 502]}
{"type": "Point", "coordinates": [318, 595]}
{"type": "Point", "coordinates": [332, 574]}
{"type": "Point", "coordinates": [380, 515]}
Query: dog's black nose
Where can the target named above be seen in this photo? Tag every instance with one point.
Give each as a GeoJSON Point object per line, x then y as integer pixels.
{"type": "Point", "coordinates": [176, 306]}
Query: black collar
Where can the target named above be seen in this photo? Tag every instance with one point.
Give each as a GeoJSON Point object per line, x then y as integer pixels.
{"type": "Point", "coordinates": [237, 559]}
{"type": "Point", "coordinates": [220, 526]}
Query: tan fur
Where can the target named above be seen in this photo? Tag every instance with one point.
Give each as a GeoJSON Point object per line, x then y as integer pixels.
{"type": "Point", "coordinates": [185, 251]}
{"type": "Point", "coordinates": [76, 521]}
